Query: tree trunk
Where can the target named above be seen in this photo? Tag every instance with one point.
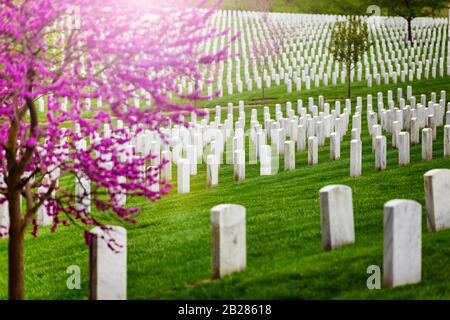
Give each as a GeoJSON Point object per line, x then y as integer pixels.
{"type": "Point", "coordinates": [410, 38]}
{"type": "Point", "coordinates": [15, 248]}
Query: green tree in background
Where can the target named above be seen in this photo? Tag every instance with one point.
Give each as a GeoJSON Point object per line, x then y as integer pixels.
{"type": "Point", "coordinates": [410, 9]}
{"type": "Point", "coordinates": [350, 39]}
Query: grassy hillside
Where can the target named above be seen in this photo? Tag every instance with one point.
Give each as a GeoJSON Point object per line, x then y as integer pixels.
{"type": "Point", "coordinates": [169, 250]}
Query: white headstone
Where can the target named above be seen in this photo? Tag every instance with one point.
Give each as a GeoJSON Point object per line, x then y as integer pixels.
{"type": "Point", "coordinates": [336, 213]}
{"type": "Point", "coordinates": [108, 264]}
{"type": "Point", "coordinates": [396, 128]}
{"type": "Point", "coordinates": [355, 158]}
{"type": "Point", "coordinates": [212, 171]}
{"type": "Point", "coordinates": [380, 153]}
{"type": "Point", "coordinates": [4, 218]}
{"type": "Point", "coordinates": [403, 148]}
{"type": "Point", "coordinates": [229, 248]}
{"type": "Point", "coordinates": [239, 165]}
{"type": "Point", "coordinates": [266, 160]}
{"type": "Point", "coordinates": [427, 144]}
{"type": "Point", "coordinates": [183, 176]}
{"type": "Point", "coordinates": [301, 138]}
{"type": "Point", "coordinates": [402, 242]}
{"type": "Point", "coordinates": [437, 198]}
{"type": "Point", "coordinates": [447, 140]}
{"type": "Point", "coordinates": [313, 150]}
{"type": "Point", "coordinates": [414, 127]}
{"type": "Point", "coordinates": [289, 155]}
{"type": "Point", "coordinates": [335, 146]}
{"type": "Point", "coordinates": [376, 131]}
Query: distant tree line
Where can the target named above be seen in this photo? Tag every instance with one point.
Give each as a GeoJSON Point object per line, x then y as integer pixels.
{"type": "Point", "coordinates": [403, 8]}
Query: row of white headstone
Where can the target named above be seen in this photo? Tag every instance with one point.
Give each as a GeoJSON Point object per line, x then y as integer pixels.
{"type": "Point", "coordinates": [319, 127]}
{"type": "Point", "coordinates": [299, 56]}
{"type": "Point", "coordinates": [303, 57]}
{"type": "Point", "coordinates": [402, 236]}
{"type": "Point", "coordinates": [316, 128]}
{"type": "Point", "coordinates": [404, 124]}
{"type": "Point", "coordinates": [305, 130]}
{"type": "Point", "coordinates": [108, 266]}
{"type": "Point", "coordinates": [402, 225]}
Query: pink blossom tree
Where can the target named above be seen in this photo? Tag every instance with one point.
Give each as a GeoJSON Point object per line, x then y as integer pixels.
{"type": "Point", "coordinates": [72, 52]}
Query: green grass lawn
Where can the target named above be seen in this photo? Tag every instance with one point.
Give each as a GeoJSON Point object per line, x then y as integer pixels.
{"type": "Point", "coordinates": [169, 250]}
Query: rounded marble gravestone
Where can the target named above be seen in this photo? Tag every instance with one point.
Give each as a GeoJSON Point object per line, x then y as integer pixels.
{"type": "Point", "coordinates": [336, 215]}
{"type": "Point", "coordinates": [228, 245]}
{"type": "Point", "coordinates": [289, 155]}
{"type": "Point", "coordinates": [313, 153]}
{"type": "Point", "coordinates": [212, 171]}
{"type": "Point", "coordinates": [355, 158]}
{"type": "Point", "coordinates": [437, 198]}
{"type": "Point", "coordinates": [183, 177]}
{"type": "Point", "coordinates": [402, 242]}
{"type": "Point", "coordinates": [265, 160]}
{"type": "Point", "coordinates": [335, 146]}
{"type": "Point", "coordinates": [427, 144]}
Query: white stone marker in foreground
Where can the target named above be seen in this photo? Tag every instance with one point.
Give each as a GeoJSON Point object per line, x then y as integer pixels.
{"type": "Point", "coordinates": [336, 215]}
{"type": "Point", "coordinates": [228, 242]}
{"type": "Point", "coordinates": [183, 176]}
{"type": "Point", "coordinates": [437, 199]}
{"type": "Point", "coordinates": [289, 155]}
{"type": "Point", "coordinates": [402, 242]}
{"type": "Point", "coordinates": [108, 267]}
{"type": "Point", "coordinates": [355, 158]}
